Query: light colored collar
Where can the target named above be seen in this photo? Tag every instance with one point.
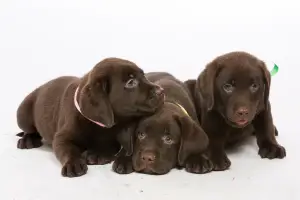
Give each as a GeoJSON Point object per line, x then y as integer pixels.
{"type": "Point", "coordinates": [79, 110]}
{"type": "Point", "coordinates": [182, 108]}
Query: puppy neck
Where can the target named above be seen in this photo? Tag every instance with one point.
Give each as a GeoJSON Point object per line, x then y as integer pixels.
{"type": "Point", "coordinates": [79, 110]}
{"type": "Point", "coordinates": [179, 106]}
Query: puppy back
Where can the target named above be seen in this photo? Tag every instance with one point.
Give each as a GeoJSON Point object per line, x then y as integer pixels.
{"type": "Point", "coordinates": [175, 91]}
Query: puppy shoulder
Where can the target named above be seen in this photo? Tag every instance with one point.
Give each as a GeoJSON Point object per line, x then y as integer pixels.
{"type": "Point", "coordinates": [190, 85]}
{"type": "Point", "coordinates": [156, 76]}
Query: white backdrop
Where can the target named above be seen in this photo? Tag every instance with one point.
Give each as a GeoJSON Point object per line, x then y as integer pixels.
{"type": "Point", "coordinates": [40, 40]}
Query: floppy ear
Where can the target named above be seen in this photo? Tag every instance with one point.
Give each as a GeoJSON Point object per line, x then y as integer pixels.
{"type": "Point", "coordinates": [206, 84]}
{"type": "Point", "coordinates": [93, 98]}
{"type": "Point", "coordinates": [193, 139]}
{"type": "Point", "coordinates": [190, 84]}
{"type": "Point", "coordinates": [126, 138]}
{"type": "Point", "coordinates": [267, 83]}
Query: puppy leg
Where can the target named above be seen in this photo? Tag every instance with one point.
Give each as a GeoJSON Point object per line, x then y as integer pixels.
{"type": "Point", "coordinates": [95, 158]}
{"type": "Point", "coordinates": [265, 135]}
{"type": "Point", "coordinates": [123, 163]}
{"type": "Point", "coordinates": [217, 154]}
{"type": "Point", "coordinates": [199, 164]}
{"type": "Point", "coordinates": [217, 131]}
{"type": "Point", "coordinates": [69, 154]}
{"type": "Point", "coordinates": [30, 138]}
{"type": "Point", "coordinates": [276, 131]}
{"type": "Point", "coordinates": [102, 153]}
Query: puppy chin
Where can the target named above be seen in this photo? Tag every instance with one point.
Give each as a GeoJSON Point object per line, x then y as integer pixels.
{"type": "Point", "coordinates": [151, 170]}
{"type": "Point", "coordinates": [150, 108]}
{"type": "Point", "coordinates": [238, 124]}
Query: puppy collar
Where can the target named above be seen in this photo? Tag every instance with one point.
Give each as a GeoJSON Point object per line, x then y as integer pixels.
{"type": "Point", "coordinates": [274, 70]}
{"type": "Point", "coordinates": [79, 110]}
{"type": "Point", "coordinates": [182, 108]}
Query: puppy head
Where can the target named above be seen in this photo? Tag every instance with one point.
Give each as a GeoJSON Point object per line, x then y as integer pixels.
{"type": "Point", "coordinates": [237, 85]}
{"type": "Point", "coordinates": [164, 140]}
{"type": "Point", "coordinates": [116, 89]}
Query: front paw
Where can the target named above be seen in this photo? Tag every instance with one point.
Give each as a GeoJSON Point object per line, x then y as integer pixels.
{"type": "Point", "coordinates": [74, 168]}
{"type": "Point", "coordinates": [123, 165]}
{"type": "Point", "coordinates": [29, 141]}
{"type": "Point", "coordinates": [198, 164]}
{"type": "Point", "coordinates": [94, 158]}
{"type": "Point", "coordinates": [272, 151]}
{"type": "Point", "coordinates": [221, 162]}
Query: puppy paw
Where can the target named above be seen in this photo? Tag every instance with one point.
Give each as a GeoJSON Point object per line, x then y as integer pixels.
{"type": "Point", "coordinates": [272, 151]}
{"type": "Point", "coordinates": [221, 163]}
{"type": "Point", "coordinates": [74, 168]}
{"type": "Point", "coordinates": [94, 158]}
{"type": "Point", "coordinates": [29, 141]}
{"type": "Point", "coordinates": [198, 165]}
{"type": "Point", "coordinates": [123, 165]}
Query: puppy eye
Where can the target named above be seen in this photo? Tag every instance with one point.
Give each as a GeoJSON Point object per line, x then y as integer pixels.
{"type": "Point", "coordinates": [228, 88]}
{"type": "Point", "coordinates": [167, 139]}
{"type": "Point", "coordinates": [141, 135]}
{"type": "Point", "coordinates": [131, 83]}
{"type": "Point", "coordinates": [254, 87]}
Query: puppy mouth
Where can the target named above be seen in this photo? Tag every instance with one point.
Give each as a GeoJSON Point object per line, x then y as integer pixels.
{"type": "Point", "coordinates": [156, 101]}
{"type": "Point", "coordinates": [157, 97]}
{"type": "Point", "coordinates": [241, 123]}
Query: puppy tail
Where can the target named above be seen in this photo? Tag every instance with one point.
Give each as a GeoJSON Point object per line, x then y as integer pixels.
{"type": "Point", "coordinates": [21, 134]}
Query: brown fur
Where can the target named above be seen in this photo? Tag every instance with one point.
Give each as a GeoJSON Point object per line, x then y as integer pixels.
{"type": "Point", "coordinates": [114, 92]}
{"type": "Point", "coordinates": [232, 97]}
{"type": "Point", "coordinates": [169, 138]}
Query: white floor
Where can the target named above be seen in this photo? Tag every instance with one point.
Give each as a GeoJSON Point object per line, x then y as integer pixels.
{"type": "Point", "coordinates": [40, 40]}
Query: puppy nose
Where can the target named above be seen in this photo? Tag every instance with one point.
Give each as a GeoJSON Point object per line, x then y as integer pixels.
{"type": "Point", "coordinates": [242, 111]}
{"type": "Point", "coordinates": [148, 157]}
{"type": "Point", "coordinates": [158, 90]}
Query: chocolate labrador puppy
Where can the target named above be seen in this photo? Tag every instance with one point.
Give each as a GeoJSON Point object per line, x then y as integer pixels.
{"type": "Point", "coordinates": [231, 97]}
{"type": "Point", "coordinates": [84, 114]}
{"type": "Point", "coordinates": [169, 138]}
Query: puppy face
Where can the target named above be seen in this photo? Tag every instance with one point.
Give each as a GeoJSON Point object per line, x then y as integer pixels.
{"type": "Point", "coordinates": [239, 92]}
{"type": "Point", "coordinates": [116, 89]}
{"type": "Point", "coordinates": [237, 86]}
{"type": "Point", "coordinates": [156, 145]}
{"type": "Point", "coordinates": [164, 140]}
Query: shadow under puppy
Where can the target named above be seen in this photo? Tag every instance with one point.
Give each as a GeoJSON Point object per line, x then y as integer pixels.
{"type": "Point", "coordinates": [232, 97]}
{"type": "Point", "coordinates": [169, 138]}
{"type": "Point", "coordinates": [84, 114]}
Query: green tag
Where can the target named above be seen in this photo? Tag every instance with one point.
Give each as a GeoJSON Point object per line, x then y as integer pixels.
{"type": "Point", "coordinates": [274, 70]}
